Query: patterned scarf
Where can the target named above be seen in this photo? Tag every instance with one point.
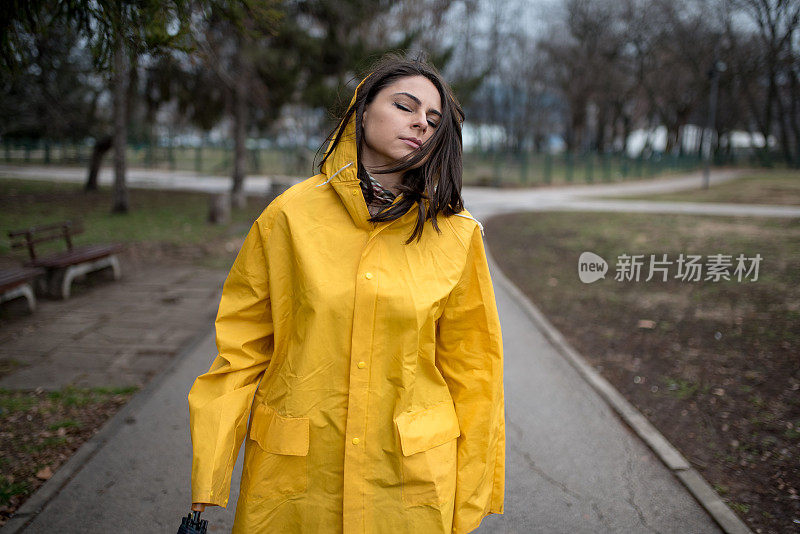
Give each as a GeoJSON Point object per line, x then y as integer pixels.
{"type": "Point", "coordinates": [382, 195]}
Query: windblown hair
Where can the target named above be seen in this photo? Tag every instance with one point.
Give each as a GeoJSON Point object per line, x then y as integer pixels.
{"type": "Point", "coordinates": [435, 186]}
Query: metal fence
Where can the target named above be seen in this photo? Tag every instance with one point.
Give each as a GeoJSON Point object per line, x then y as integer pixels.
{"type": "Point", "coordinates": [489, 168]}
{"type": "Point", "coordinates": [527, 168]}
{"type": "Point", "coordinates": [207, 159]}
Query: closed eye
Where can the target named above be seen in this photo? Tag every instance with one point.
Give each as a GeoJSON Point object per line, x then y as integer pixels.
{"type": "Point", "coordinates": [433, 124]}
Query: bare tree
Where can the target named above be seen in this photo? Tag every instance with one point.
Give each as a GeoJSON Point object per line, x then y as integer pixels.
{"type": "Point", "coordinates": [578, 49]}
{"type": "Point", "coordinates": [766, 62]}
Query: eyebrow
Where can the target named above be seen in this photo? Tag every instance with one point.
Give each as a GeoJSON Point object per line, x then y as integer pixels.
{"type": "Point", "coordinates": [417, 100]}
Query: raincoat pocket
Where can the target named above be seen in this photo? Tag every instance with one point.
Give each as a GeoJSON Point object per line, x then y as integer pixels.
{"type": "Point", "coordinates": [278, 465]}
{"type": "Point", "coordinates": [428, 441]}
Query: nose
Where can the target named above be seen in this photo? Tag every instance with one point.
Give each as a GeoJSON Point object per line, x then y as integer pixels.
{"type": "Point", "coordinates": [421, 122]}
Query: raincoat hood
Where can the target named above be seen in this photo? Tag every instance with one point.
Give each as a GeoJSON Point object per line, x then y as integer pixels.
{"type": "Point", "coordinates": [341, 171]}
{"type": "Point", "coordinates": [344, 158]}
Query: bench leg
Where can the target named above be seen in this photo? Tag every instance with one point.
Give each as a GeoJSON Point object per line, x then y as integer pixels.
{"type": "Point", "coordinates": [61, 280]}
{"type": "Point", "coordinates": [113, 261]}
{"type": "Point", "coordinates": [66, 283]}
{"type": "Point", "coordinates": [24, 290]}
{"type": "Point", "coordinates": [55, 283]}
{"type": "Point", "coordinates": [103, 265]}
{"type": "Point", "coordinates": [27, 292]}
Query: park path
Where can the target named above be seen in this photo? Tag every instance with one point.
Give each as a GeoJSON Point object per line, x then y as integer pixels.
{"type": "Point", "coordinates": [116, 334]}
{"type": "Point", "coordinates": [487, 201]}
{"type": "Point", "coordinates": [572, 465]}
{"type": "Point", "coordinates": [139, 178]}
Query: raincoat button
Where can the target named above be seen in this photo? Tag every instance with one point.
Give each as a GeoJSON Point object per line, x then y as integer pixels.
{"type": "Point", "coordinates": [355, 441]}
{"type": "Point", "coordinates": [361, 365]}
{"type": "Point", "coordinates": [368, 276]}
{"type": "Point", "coordinates": [355, 192]}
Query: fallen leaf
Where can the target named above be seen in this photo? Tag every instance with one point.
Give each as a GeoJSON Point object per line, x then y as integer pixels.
{"type": "Point", "coordinates": [45, 473]}
{"type": "Point", "coordinates": [646, 323]}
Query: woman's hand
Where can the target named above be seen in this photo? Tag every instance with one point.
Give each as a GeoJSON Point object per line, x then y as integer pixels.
{"type": "Point", "coordinates": [200, 506]}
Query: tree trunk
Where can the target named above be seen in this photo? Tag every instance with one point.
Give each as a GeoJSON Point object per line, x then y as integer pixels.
{"type": "Point", "coordinates": [672, 135]}
{"type": "Point", "coordinates": [626, 133]}
{"type": "Point", "coordinates": [786, 144]}
{"type": "Point", "coordinates": [574, 134]}
{"type": "Point", "coordinates": [120, 195]}
{"type": "Point", "coordinates": [238, 197]}
{"type": "Point", "coordinates": [101, 146]}
{"type": "Point", "coordinates": [600, 139]}
{"type": "Point", "coordinates": [768, 105]}
{"type": "Point", "coordinates": [793, 115]}
{"type": "Point", "coordinates": [793, 120]}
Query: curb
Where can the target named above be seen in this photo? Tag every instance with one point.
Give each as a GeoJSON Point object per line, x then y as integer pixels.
{"type": "Point", "coordinates": [702, 491]}
{"type": "Point", "coordinates": [50, 489]}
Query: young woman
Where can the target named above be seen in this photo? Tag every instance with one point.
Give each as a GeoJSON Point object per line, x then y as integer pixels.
{"type": "Point", "coordinates": [358, 333]}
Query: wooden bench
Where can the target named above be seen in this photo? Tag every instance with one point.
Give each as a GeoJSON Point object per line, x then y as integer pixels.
{"type": "Point", "coordinates": [63, 267]}
{"type": "Point", "coordinates": [18, 282]}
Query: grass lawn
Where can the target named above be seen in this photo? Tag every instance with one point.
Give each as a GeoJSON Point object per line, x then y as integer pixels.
{"type": "Point", "coordinates": [760, 187]}
{"type": "Point", "coordinates": [165, 222]}
{"type": "Point", "coordinates": [712, 364]}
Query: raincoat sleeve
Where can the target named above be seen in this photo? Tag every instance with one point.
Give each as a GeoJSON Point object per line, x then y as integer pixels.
{"type": "Point", "coordinates": [469, 354]}
{"type": "Point", "coordinates": [220, 400]}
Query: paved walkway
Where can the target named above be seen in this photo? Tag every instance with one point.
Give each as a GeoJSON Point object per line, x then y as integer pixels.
{"type": "Point", "coordinates": [141, 178]}
{"type": "Point", "coordinates": [486, 201]}
{"type": "Point", "coordinates": [111, 334]}
{"type": "Point", "coordinates": [572, 465]}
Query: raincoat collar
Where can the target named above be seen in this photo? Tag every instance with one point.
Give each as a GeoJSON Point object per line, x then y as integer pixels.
{"type": "Point", "coordinates": [340, 170]}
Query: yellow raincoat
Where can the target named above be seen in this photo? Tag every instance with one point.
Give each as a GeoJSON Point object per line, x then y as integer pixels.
{"type": "Point", "coordinates": [365, 374]}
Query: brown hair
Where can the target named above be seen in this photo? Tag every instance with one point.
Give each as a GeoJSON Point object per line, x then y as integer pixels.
{"type": "Point", "coordinates": [436, 184]}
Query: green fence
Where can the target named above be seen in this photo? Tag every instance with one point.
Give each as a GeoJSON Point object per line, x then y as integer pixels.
{"type": "Point", "coordinates": [527, 168]}
{"type": "Point", "coordinates": [488, 168]}
{"type": "Point", "coordinates": [208, 159]}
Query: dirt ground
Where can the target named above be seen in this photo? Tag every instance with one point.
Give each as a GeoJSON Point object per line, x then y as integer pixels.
{"type": "Point", "coordinates": [42, 429]}
{"type": "Point", "coordinates": [713, 366]}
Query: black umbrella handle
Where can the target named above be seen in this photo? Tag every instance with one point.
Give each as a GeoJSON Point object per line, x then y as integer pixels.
{"type": "Point", "coordinates": [192, 524]}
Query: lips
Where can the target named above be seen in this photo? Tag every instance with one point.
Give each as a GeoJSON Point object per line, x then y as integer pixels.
{"type": "Point", "coordinates": [412, 142]}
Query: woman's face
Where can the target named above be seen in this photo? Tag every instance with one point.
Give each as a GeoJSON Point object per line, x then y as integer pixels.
{"type": "Point", "coordinates": [402, 116]}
